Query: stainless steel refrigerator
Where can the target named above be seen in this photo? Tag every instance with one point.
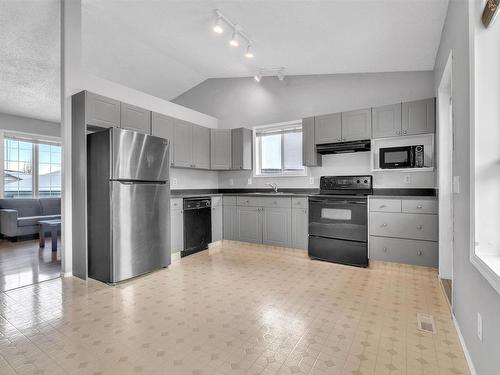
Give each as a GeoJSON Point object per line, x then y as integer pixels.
{"type": "Point", "coordinates": [128, 204]}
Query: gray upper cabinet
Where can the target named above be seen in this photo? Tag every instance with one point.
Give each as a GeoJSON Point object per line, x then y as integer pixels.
{"type": "Point", "coordinates": [276, 226]}
{"type": "Point", "coordinates": [249, 224]}
{"type": "Point", "coordinates": [386, 121]}
{"type": "Point", "coordinates": [328, 128]}
{"type": "Point", "coordinates": [163, 126]}
{"type": "Point", "coordinates": [300, 222]}
{"type": "Point", "coordinates": [183, 144]}
{"type": "Point", "coordinates": [241, 149]}
{"type": "Point", "coordinates": [419, 117]}
{"type": "Point", "coordinates": [310, 158]}
{"type": "Point", "coordinates": [201, 147]}
{"type": "Point", "coordinates": [101, 111]}
{"type": "Point", "coordinates": [135, 118]}
{"type": "Point", "coordinates": [220, 149]}
{"type": "Point", "coordinates": [356, 125]}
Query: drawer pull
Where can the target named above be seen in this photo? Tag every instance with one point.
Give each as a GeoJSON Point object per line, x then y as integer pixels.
{"type": "Point", "coordinates": [384, 249]}
{"type": "Point", "coordinates": [382, 206]}
{"type": "Point", "coordinates": [419, 206]}
{"type": "Point", "coordinates": [419, 253]}
{"type": "Point", "coordinates": [383, 225]}
{"type": "Point", "coordinates": [420, 227]}
{"type": "Point", "coordinates": [247, 201]}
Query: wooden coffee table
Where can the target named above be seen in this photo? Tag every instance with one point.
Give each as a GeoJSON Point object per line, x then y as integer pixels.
{"type": "Point", "coordinates": [53, 226]}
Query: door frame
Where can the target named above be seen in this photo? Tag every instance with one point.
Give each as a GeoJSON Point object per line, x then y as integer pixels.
{"type": "Point", "coordinates": [445, 171]}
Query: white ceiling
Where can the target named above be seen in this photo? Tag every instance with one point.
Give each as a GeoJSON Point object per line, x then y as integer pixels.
{"type": "Point", "coordinates": [29, 58]}
{"type": "Point", "coordinates": [165, 47]}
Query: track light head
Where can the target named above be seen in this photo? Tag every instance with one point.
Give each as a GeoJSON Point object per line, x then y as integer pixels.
{"type": "Point", "coordinates": [218, 26]}
{"type": "Point", "coordinates": [257, 77]}
{"type": "Point", "coordinates": [280, 75]}
{"type": "Point", "coordinates": [249, 53]}
{"type": "Point", "coordinates": [234, 39]}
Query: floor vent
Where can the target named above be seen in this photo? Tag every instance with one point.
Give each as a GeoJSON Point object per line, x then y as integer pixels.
{"type": "Point", "coordinates": [425, 323]}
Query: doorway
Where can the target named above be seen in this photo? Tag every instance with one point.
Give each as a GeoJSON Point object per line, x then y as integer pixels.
{"type": "Point", "coordinates": [445, 178]}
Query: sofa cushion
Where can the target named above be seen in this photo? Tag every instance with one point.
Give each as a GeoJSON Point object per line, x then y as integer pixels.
{"type": "Point", "coordinates": [50, 206]}
{"type": "Point", "coordinates": [24, 206]}
{"type": "Point", "coordinates": [33, 220]}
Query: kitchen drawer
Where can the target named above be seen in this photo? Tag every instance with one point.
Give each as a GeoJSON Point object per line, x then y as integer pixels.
{"type": "Point", "coordinates": [385, 205]}
{"type": "Point", "coordinates": [282, 202]}
{"type": "Point", "coordinates": [176, 203]}
{"type": "Point", "coordinates": [413, 226]}
{"type": "Point", "coordinates": [420, 253]}
{"type": "Point", "coordinates": [245, 200]}
{"type": "Point", "coordinates": [301, 202]}
{"type": "Point", "coordinates": [420, 206]}
{"type": "Point", "coordinates": [229, 200]}
{"type": "Point", "coordinates": [216, 201]}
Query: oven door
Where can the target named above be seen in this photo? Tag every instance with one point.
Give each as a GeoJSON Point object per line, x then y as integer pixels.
{"type": "Point", "coordinates": [396, 157]}
{"type": "Point", "coordinates": [343, 218]}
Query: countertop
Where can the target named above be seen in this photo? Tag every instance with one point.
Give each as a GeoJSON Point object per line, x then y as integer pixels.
{"type": "Point", "coordinates": [299, 195]}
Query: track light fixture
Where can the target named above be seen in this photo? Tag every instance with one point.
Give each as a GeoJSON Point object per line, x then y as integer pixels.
{"type": "Point", "coordinates": [271, 72]}
{"type": "Point", "coordinates": [249, 52]}
{"type": "Point", "coordinates": [237, 35]}
{"type": "Point", "coordinates": [234, 39]}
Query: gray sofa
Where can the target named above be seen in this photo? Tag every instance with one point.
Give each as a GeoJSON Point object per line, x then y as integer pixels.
{"type": "Point", "coordinates": [19, 217]}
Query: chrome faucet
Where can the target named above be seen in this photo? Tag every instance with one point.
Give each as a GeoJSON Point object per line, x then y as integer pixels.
{"type": "Point", "coordinates": [273, 186]}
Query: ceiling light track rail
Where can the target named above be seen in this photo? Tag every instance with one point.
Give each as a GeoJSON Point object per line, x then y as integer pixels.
{"type": "Point", "coordinates": [237, 29]}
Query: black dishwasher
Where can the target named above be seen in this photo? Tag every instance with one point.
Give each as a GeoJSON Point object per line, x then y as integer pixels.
{"type": "Point", "coordinates": [197, 225]}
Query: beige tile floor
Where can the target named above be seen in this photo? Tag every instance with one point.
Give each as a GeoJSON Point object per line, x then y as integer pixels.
{"type": "Point", "coordinates": [242, 309]}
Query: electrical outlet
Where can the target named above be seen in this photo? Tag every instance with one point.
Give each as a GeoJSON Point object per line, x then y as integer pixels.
{"type": "Point", "coordinates": [231, 181]}
{"type": "Point", "coordinates": [311, 180]}
{"type": "Point", "coordinates": [479, 327]}
{"type": "Point", "coordinates": [249, 181]}
{"type": "Point", "coordinates": [407, 179]}
{"type": "Point", "coordinates": [456, 184]}
{"type": "Point", "coordinates": [174, 182]}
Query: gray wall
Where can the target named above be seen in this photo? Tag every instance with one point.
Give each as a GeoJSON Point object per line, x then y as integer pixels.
{"type": "Point", "coordinates": [29, 125]}
{"type": "Point", "coordinates": [240, 102]}
{"type": "Point", "coordinates": [471, 292]}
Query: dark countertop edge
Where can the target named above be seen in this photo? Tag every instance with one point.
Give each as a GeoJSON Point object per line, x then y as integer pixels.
{"type": "Point", "coordinates": [416, 192]}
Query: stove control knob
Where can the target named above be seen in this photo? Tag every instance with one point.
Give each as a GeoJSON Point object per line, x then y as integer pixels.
{"type": "Point", "coordinates": [358, 181]}
{"type": "Point", "coordinates": [366, 181]}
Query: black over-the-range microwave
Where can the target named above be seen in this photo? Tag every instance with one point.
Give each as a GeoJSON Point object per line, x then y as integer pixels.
{"type": "Point", "coordinates": [401, 157]}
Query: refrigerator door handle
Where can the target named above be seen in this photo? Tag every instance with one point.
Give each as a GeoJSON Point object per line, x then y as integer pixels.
{"type": "Point", "coordinates": [135, 182]}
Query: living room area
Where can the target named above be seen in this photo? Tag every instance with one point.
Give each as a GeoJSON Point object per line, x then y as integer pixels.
{"type": "Point", "coordinates": [30, 201]}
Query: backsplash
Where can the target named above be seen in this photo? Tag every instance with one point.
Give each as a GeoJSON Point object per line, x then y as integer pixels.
{"type": "Point", "coordinates": [338, 164]}
{"type": "Point", "coordinates": [193, 179]}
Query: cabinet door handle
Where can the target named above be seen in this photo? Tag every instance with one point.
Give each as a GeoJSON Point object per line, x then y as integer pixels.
{"type": "Point", "coordinates": [405, 131]}
{"type": "Point", "coordinates": [420, 227]}
{"type": "Point", "coordinates": [382, 206]}
{"type": "Point", "coordinates": [339, 139]}
{"type": "Point", "coordinates": [419, 206]}
{"type": "Point", "coordinates": [383, 225]}
{"type": "Point", "coordinates": [419, 253]}
{"type": "Point", "coordinates": [398, 132]}
{"type": "Point", "coordinates": [384, 249]}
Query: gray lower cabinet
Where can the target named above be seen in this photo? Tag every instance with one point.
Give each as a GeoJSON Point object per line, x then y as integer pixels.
{"type": "Point", "coordinates": [249, 224]}
{"type": "Point", "coordinates": [420, 253]}
{"type": "Point", "coordinates": [220, 149]}
{"type": "Point", "coordinates": [241, 149]}
{"type": "Point", "coordinates": [357, 125]}
{"type": "Point", "coordinates": [101, 111]}
{"type": "Point", "coordinates": [135, 118]}
{"type": "Point", "coordinates": [176, 230]}
{"type": "Point", "coordinates": [216, 223]}
{"type": "Point", "coordinates": [328, 128]}
{"type": "Point", "coordinates": [183, 145]}
{"type": "Point", "coordinates": [163, 126]}
{"type": "Point", "coordinates": [419, 117]}
{"type": "Point", "coordinates": [276, 225]}
{"type": "Point", "coordinates": [310, 157]}
{"type": "Point", "coordinates": [300, 228]}
{"type": "Point", "coordinates": [386, 121]}
{"type": "Point", "coordinates": [201, 147]}
{"type": "Point", "coordinates": [229, 216]}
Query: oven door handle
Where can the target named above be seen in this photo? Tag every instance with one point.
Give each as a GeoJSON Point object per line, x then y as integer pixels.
{"type": "Point", "coordinates": [337, 202]}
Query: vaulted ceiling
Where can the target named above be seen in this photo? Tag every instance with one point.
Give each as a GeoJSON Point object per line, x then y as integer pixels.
{"type": "Point", "coordinates": [165, 47]}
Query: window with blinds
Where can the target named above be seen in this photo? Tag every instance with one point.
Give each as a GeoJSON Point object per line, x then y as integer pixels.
{"type": "Point", "coordinates": [279, 151]}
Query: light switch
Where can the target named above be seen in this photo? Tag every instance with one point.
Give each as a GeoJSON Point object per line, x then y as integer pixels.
{"type": "Point", "coordinates": [249, 181]}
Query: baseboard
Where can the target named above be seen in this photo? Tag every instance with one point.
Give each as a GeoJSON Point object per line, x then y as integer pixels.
{"type": "Point", "coordinates": [175, 256]}
{"type": "Point", "coordinates": [462, 342]}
